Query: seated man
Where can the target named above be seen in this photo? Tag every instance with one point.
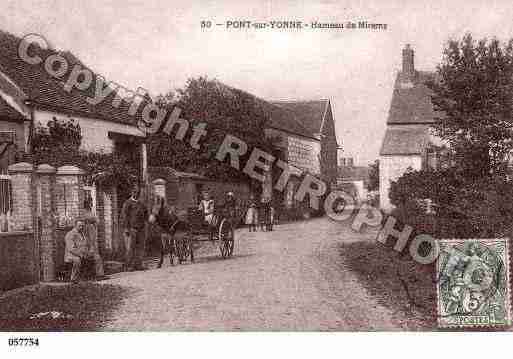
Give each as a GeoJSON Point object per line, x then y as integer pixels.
{"type": "Point", "coordinates": [77, 250]}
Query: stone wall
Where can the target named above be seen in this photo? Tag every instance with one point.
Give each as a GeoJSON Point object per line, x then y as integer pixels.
{"type": "Point", "coordinates": [18, 266]}
{"type": "Point", "coordinates": [390, 169]}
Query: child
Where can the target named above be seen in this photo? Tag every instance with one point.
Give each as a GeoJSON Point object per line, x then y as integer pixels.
{"type": "Point", "coordinates": [252, 215]}
{"type": "Point", "coordinates": [265, 214]}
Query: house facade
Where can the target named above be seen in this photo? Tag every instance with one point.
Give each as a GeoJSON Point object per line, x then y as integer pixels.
{"type": "Point", "coordinates": [307, 139]}
{"type": "Point", "coordinates": [408, 139]}
{"type": "Point", "coordinates": [31, 96]}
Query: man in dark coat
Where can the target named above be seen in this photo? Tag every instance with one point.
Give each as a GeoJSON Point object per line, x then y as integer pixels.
{"type": "Point", "coordinates": [133, 221]}
{"type": "Point", "coordinates": [230, 205]}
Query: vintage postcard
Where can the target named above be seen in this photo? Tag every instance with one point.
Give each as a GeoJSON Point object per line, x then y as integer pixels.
{"type": "Point", "coordinates": [249, 166]}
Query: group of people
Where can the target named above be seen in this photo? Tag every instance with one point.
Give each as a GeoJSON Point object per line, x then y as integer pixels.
{"type": "Point", "coordinates": [257, 213]}
{"type": "Point", "coordinates": [81, 242]}
{"type": "Point", "coordinates": [260, 213]}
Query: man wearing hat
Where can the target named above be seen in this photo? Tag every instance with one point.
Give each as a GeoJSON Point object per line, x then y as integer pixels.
{"type": "Point", "coordinates": [77, 250]}
{"type": "Point", "coordinates": [133, 221]}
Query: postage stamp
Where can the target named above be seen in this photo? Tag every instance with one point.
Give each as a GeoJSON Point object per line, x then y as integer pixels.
{"type": "Point", "coordinates": [473, 283]}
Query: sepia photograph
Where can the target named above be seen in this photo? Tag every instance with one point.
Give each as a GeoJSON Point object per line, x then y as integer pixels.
{"type": "Point", "coordinates": [254, 166]}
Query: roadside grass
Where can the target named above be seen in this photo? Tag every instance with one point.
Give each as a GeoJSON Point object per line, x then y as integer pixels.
{"type": "Point", "coordinates": [82, 307]}
{"type": "Point", "coordinates": [396, 281]}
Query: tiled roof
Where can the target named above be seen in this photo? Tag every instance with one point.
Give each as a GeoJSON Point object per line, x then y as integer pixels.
{"type": "Point", "coordinates": [307, 116]}
{"type": "Point", "coordinates": [405, 140]}
{"type": "Point", "coordinates": [279, 117]}
{"type": "Point", "coordinates": [411, 100]}
{"type": "Point", "coordinates": [47, 92]}
{"type": "Point", "coordinates": [9, 113]}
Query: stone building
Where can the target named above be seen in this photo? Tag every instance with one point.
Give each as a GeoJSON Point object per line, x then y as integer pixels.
{"type": "Point", "coordinates": [308, 139]}
{"type": "Point", "coordinates": [408, 141]}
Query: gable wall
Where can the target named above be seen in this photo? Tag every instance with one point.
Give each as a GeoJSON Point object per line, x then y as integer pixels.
{"type": "Point", "coordinates": [390, 169]}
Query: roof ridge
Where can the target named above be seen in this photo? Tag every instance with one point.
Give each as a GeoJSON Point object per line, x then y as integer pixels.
{"type": "Point", "coordinates": [298, 100]}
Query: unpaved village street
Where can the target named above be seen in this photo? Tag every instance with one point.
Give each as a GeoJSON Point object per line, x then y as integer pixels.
{"type": "Point", "coordinates": [290, 279]}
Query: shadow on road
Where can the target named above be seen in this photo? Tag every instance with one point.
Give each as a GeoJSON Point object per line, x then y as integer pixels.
{"type": "Point", "coordinates": [81, 307]}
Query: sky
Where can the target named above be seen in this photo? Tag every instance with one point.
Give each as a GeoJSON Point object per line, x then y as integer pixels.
{"type": "Point", "coordinates": [158, 45]}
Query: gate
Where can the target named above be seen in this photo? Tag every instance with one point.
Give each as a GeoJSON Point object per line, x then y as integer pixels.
{"type": "Point", "coordinates": [6, 203]}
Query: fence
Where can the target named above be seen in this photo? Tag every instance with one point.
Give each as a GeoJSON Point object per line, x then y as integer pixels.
{"type": "Point", "coordinates": [6, 203]}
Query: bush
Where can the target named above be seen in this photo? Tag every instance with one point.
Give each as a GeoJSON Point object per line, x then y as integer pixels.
{"type": "Point", "coordinates": [461, 209]}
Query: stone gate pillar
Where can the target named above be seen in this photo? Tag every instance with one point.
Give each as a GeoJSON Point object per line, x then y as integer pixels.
{"type": "Point", "coordinates": [46, 211]}
{"type": "Point", "coordinates": [69, 194]}
{"type": "Point", "coordinates": [23, 195]}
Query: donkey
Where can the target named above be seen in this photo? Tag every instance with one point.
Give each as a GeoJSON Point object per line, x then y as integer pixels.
{"type": "Point", "coordinates": [171, 225]}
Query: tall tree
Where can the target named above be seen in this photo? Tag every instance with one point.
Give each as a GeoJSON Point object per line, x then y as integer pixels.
{"type": "Point", "coordinates": [473, 90]}
{"type": "Point", "coordinates": [225, 110]}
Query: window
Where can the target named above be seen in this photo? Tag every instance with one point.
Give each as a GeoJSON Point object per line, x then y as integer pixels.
{"type": "Point", "coordinates": [436, 158]}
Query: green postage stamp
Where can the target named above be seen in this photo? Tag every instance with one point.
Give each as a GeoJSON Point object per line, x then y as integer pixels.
{"type": "Point", "coordinates": [473, 283]}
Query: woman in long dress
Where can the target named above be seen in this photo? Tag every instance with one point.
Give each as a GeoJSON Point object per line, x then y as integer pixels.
{"type": "Point", "coordinates": [252, 215]}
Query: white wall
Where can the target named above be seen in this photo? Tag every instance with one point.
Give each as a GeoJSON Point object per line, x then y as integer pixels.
{"type": "Point", "coordinates": [94, 132]}
{"type": "Point", "coordinates": [390, 169]}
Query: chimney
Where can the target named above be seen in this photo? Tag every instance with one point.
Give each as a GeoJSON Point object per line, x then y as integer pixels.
{"type": "Point", "coordinates": [408, 64]}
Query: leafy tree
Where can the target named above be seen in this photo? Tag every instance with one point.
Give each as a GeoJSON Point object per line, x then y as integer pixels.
{"type": "Point", "coordinates": [225, 110]}
{"type": "Point", "coordinates": [473, 90]}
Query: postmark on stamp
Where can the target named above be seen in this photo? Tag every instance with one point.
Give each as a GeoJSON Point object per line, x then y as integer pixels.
{"type": "Point", "coordinates": [473, 283]}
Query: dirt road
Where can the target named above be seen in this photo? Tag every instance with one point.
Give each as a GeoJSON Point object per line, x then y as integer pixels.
{"type": "Point", "coordinates": [290, 279]}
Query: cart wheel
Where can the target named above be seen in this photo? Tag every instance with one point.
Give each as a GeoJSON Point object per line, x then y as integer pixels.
{"type": "Point", "coordinates": [189, 247]}
{"type": "Point", "coordinates": [181, 246]}
{"type": "Point", "coordinates": [226, 238]}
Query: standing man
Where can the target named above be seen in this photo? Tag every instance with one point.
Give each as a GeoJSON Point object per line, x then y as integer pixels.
{"type": "Point", "coordinates": [133, 221]}
{"type": "Point", "coordinates": [230, 206]}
